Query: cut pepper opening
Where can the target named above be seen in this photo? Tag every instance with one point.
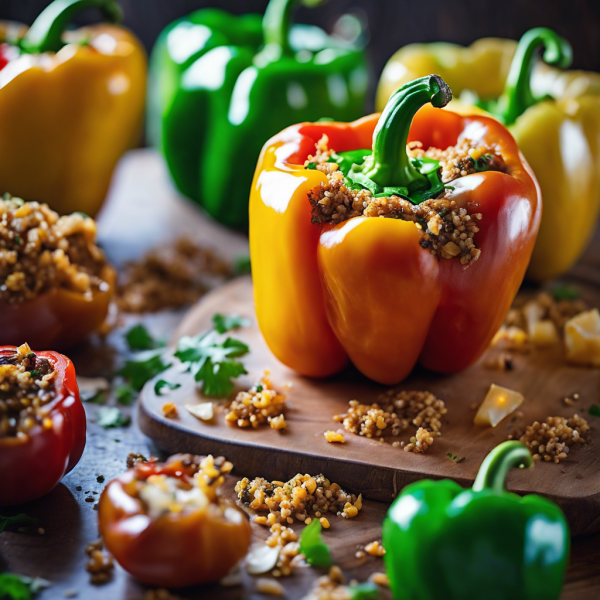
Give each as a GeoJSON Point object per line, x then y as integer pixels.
{"type": "Point", "coordinates": [46, 33]}
{"type": "Point", "coordinates": [388, 169]}
{"type": "Point", "coordinates": [494, 469]}
{"type": "Point", "coordinates": [277, 20]}
{"type": "Point", "coordinates": [518, 96]}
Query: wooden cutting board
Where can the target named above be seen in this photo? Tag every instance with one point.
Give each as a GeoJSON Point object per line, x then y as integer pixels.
{"type": "Point", "coordinates": [376, 469]}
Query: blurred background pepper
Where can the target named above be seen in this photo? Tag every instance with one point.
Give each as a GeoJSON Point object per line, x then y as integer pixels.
{"type": "Point", "coordinates": [553, 114]}
{"type": "Point", "coordinates": [70, 104]}
{"type": "Point", "coordinates": [221, 86]}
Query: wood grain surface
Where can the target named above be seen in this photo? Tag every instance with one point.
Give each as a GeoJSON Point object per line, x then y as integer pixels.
{"type": "Point", "coordinates": [140, 197]}
{"type": "Point", "coordinates": [377, 469]}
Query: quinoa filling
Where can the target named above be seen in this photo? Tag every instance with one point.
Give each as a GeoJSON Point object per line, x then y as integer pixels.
{"type": "Point", "coordinates": [41, 251]}
{"type": "Point", "coordinates": [448, 231]}
{"type": "Point", "coordinates": [26, 389]}
{"type": "Point", "coordinates": [168, 490]}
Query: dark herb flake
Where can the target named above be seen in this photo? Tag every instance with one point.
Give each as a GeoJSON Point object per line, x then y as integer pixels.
{"type": "Point", "coordinates": [225, 323]}
{"type": "Point", "coordinates": [161, 384]}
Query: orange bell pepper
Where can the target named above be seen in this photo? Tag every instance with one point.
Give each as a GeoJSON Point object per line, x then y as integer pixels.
{"type": "Point", "coordinates": [365, 289]}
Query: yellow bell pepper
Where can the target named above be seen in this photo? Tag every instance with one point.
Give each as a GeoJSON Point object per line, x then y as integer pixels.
{"type": "Point", "coordinates": [70, 104]}
{"type": "Point", "coordinates": [554, 116]}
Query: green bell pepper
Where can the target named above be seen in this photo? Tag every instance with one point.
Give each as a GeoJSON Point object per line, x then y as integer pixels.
{"type": "Point", "coordinates": [443, 541]}
{"type": "Point", "coordinates": [221, 86]}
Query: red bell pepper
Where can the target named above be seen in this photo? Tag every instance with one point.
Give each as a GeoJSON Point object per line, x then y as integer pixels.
{"type": "Point", "coordinates": [31, 465]}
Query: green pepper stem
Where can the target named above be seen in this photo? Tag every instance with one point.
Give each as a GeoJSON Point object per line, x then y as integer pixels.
{"type": "Point", "coordinates": [277, 22]}
{"type": "Point", "coordinates": [390, 165]}
{"type": "Point", "coordinates": [518, 96]}
{"type": "Point", "coordinates": [45, 35]}
{"type": "Point", "coordinates": [494, 469]}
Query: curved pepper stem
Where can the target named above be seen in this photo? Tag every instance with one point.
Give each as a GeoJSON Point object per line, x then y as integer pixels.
{"type": "Point", "coordinates": [518, 96]}
{"type": "Point", "coordinates": [494, 469]}
{"type": "Point", "coordinates": [389, 165]}
{"type": "Point", "coordinates": [45, 35]}
{"type": "Point", "coordinates": [277, 22]}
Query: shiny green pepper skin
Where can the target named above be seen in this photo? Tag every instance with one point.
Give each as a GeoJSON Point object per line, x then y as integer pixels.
{"type": "Point", "coordinates": [221, 86]}
{"type": "Point", "coordinates": [446, 543]}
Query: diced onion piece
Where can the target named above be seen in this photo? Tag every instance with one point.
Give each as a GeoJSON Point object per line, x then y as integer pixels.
{"type": "Point", "coordinates": [202, 411]}
{"type": "Point", "coordinates": [543, 333]}
{"type": "Point", "coordinates": [582, 338]}
{"type": "Point", "coordinates": [533, 313]}
{"type": "Point", "coordinates": [498, 403]}
{"type": "Point", "coordinates": [261, 559]}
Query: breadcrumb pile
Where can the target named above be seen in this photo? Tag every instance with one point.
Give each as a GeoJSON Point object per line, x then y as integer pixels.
{"type": "Point", "coordinates": [301, 498]}
{"type": "Point", "coordinates": [393, 414]}
{"type": "Point", "coordinates": [448, 230]}
{"type": "Point", "coordinates": [170, 276]}
{"type": "Point", "coordinates": [260, 404]}
{"type": "Point", "coordinates": [100, 565]}
{"type": "Point", "coordinates": [552, 439]}
{"type": "Point", "coordinates": [41, 251]}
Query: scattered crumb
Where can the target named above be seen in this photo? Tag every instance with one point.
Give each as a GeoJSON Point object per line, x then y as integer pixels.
{"type": "Point", "coordinates": [70, 593]}
{"type": "Point", "coordinates": [334, 437]}
{"type": "Point", "coordinates": [420, 442]}
{"type": "Point", "coordinates": [161, 594]}
{"type": "Point", "coordinates": [375, 548]}
{"type": "Point", "coordinates": [169, 409]}
{"type": "Point", "coordinates": [100, 564]}
{"type": "Point", "coordinates": [270, 587]}
{"type": "Point", "coordinates": [277, 422]}
{"type": "Point", "coordinates": [380, 579]}
{"type": "Point", "coordinates": [552, 439]}
{"type": "Point", "coordinates": [260, 404]}
{"type": "Point", "coordinates": [394, 413]}
{"type": "Point", "coordinates": [170, 276]}
{"type": "Point", "coordinates": [133, 458]}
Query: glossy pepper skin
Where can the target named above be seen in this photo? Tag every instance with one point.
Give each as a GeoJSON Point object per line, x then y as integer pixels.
{"type": "Point", "coordinates": [553, 114]}
{"type": "Point", "coordinates": [482, 542]}
{"type": "Point", "coordinates": [59, 318]}
{"type": "Point", "coordinates": [222, 85]}
{"type": "Point", "coordinates": [70, 104]}
{"type": "Point", "coordinates": [174, 550]}
{"type": "Point", "coordinates": [31, 466]}
{"type": "Point", "coordinates": [364, 289]}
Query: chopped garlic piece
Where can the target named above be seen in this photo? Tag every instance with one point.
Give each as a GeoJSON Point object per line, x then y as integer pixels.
{"type": "Point", "coordinates": [498, 403]}
{"type": "Point", "coordinates": [582, 338]}
{"type": "Point", "coordinates": [202, 411]}
{"type": "Point", "coordinates": [543, 333]}
{"type": "Point", "coordinates": [261, 559]}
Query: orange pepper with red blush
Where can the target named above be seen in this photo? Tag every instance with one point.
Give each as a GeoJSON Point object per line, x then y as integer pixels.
{"type": "Point", "coordinates": [370, 290]}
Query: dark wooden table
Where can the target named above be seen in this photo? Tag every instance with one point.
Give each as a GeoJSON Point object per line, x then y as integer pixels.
{"type": "Point", "coordinates": [143, 211]}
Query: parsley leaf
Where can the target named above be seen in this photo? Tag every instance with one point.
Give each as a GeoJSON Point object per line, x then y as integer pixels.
{"type": "Point", "coordinates": [161, 384]}
{"type": "Point", "coordinates": [19, 587]}
{"type": "Point", "coordinates": [363, 591]}
{"type": "Point", "coordinates": [16, 522]}
{"type": "Point", "coordinates": [125, 394]}
{"type": "Point", "coordinates": [564, 292]}
{"type": "Point", "coordinates": [313, 547]}
{"type": "Point", "coordinates": [241, 265]}
{"type": "Point", "coordinates": [143, 367]}
{"type": "Point", "coordinates": [139, 338]}
{"type": "Point", "coordinates": [92, 396]}
{"type": "Point", "coordinates": [111, 416]}
{"type": "Point", "coordinates": [594, 410]}
{"type": "Point", "coordinates": [225, 323]}
{"type": "Point", "coordinates": [212, 361]}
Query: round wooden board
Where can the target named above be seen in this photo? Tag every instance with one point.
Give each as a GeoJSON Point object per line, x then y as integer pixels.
{"type": "Point", "coordinates": [376, 469]}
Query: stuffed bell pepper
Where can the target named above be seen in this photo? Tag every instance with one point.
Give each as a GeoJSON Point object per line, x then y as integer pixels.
{"type": "Point", "coordinates": [483, 542]}
{"type": "Point", "coordinates": [553, 114]}
{"type": "Point", "coordinates": [57, 285]}
{"type": "Point", "coordinates": [71, 102]}
{"type": "Point", "coordinates": [42, 422]}
{"type": "Point", "coordinates": [392, 240]}
{"type": "Point", "coordinates": [220, 86]}
{"type": "Point", "coordinates": [166, 524]}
